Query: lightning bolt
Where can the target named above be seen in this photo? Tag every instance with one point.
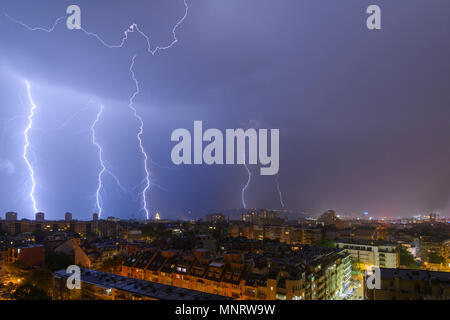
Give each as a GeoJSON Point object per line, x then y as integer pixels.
{"type": "Point", "coordinates": [249, 173]}
{"type": "Point", "coordinates": [244, 205]}
{"type": "Point", "coordinates": [26, 147]}
{"type": "Point", "coordinates": [132, 28]}
{"type": "Point", "coordinates": [36, 28]}
{"type": "Point", "coordinates": [103, 165]}
{"type": "Point", "coordinates": [139, 138]}
{"type": "Point", "coordinates": [279, 191]}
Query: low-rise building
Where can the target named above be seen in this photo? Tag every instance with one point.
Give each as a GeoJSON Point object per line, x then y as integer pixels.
{"type": "Point", "coordinates": [283, 233]}
{"type": "Point", "coordinates": [307, 273]}
{"type": "Point", "coordinates": [216, 218]}
{"type": "Point", "coordinates": [407, 284]}
{"type": "Point", "coordinates": [432, 246]}
{"type": "Point", "coordinates": [30, 255]}
{"type": "Point", "coordinates": [372, 253]}
{"type": "Point", "coordinates": [97, 285]}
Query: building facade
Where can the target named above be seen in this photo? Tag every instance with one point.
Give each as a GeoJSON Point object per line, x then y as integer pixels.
{"type": "Point", "coordinates": [407, 284]}
{"type": "Point", "coordinates": [372, 253]}
{"type": "Point", "coordinates": [96, 285]}
{"type": "Point", "coordinates": [312, 273]}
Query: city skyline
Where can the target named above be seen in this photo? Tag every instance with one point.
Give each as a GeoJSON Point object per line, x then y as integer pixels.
{"type": "Point", "coordinates": [235, 215]}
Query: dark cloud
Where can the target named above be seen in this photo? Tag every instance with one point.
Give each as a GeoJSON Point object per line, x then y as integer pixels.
{"type": "Point", "coordinates": [363, 115]}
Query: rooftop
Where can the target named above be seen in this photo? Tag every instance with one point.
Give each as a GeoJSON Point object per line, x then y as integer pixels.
{"type": "Point", "coordinates": [367, 242]}
{"type": "Point", "coordinates": [421, 275]}
{"type": "Point", "coordinates": [140, 287]}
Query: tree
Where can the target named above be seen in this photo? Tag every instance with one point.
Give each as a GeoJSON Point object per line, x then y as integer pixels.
{"type": "Point", "coordinates": [219, 233]}
{"type": "Point", "coordinates": [325, 242]}
{"type": "Point", "coordinates": [58, 260]}
{"type": "Point", "coordinates": [42, 279]}
{"type": "Point", "coordinates": [357, 266]}
{"type": "Point", "coordinates": [29, 292]}
{"type": "Point", "coordinates": [268, 241]}
{"type": "Point", "coordinates": [435, 258]}
{"type": "Point", "coordinates": [112, 264]}
{"type": "Point", "coordinates": [16, 269]}
{"type": "Point", "coordinates": [406, 258]}
{"type": "Point", "coordinates": [39, 236]}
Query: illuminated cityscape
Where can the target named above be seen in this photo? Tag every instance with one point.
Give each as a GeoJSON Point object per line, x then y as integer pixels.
{"type": "Point", "coordinates": [262, 256]}
{"type": "Point", "coordinates": [237, 156]}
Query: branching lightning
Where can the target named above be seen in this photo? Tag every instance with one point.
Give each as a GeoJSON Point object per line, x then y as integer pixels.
{"type": "Point", "coordinates": [26, 147]}
{"type": "Point", "coordinates": [244, 205]}
{"type": "Point", "coordinates": [133, 27]}
{"type": "Point", "coordinates": [36, 28]}
{"type": "Point", "coordinates": [139, 138]}
{"type": "Point", "coordinates": [279, 191]}
{"type": "Point", "coordinates": [102, 164]}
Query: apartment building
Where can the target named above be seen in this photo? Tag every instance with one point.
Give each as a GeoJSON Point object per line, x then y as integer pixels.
{"type": "Point", "coordinates": [285, 234]}
{"type": "Point", "coordinates": [328, 271]}
{"type": "Point", "coordinates": [437, 245]}
{"type": "Point", "coordinates": [307, 273]}
{"type": "Point", "coordinates": [103, 228]}
{"type": "Point", "coordinates": [406, 284]}
{"type": "Point", "coordinates": [263, 217]}
{"type": "Point", "coordinates": [30, 255]}
{"type": "Point", "coordinates": [446, 251]}
{"type": "Point", "coordinates": [294, 235]}
{"type": "Point", "coordinates": [2, 264]}
{"type": "Point", "coordinates": [96, 285]}
{"type": "Point", "coordinates": [16, 227]}
{"type": "Point", "coordinates": [372, 252]}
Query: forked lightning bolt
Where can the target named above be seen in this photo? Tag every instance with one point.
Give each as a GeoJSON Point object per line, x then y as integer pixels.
{"type": "Point", "coordinates": [102, 164]}
{"type": "Point", "coordinates": [132, 28]}
{"type": "Point", "coordinates": [139, 138]}
{"type": "Point", "coordinates": [26, 147]}
{"type": "Point", "coordinates": [135, 27]}
{"type": "Point", "coordinates": [103, 167]}
{"type": "Point", "coordinates": [279, 191]}
{"type": "Point", "coordinates": [244, 205]}
{"type": "Point", "coordinates": [36, 28]}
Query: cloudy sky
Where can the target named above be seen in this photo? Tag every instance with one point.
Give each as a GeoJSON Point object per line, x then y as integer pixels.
{"type": "Point", "coordinates": [363, 115]}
